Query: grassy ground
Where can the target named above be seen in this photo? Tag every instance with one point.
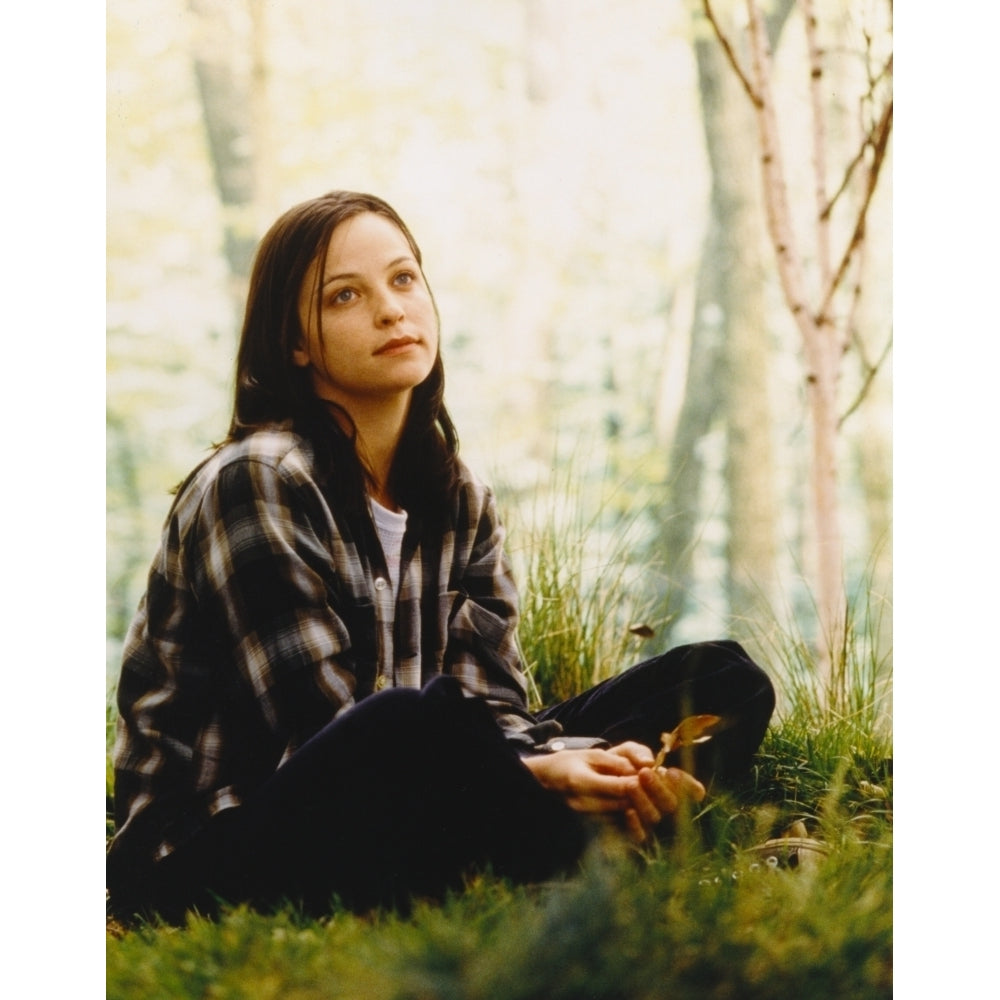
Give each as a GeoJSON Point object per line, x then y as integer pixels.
{"type": "Point", "coordinates": [700, 917]}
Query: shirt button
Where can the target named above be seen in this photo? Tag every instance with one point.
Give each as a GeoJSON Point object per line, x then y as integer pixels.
{"type": "Point", "coordinates": [381, 682]}
{"type": "Point", "coordinates": [381, 583]}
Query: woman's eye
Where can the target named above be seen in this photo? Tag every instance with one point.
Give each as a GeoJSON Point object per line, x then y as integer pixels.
{"type": "Point", "coordinates": [405, 278]}
{"type": "Point", "coordinates": [344, 295]}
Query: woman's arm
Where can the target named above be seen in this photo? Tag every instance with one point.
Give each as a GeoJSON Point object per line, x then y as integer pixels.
{"type": "Point", "coordinates": [265, 578]}
{"type": "Point", "coordinates": [482, 613]}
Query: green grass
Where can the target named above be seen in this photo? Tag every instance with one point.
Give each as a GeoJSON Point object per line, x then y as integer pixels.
{"type": "Point", "coordinates": [695, 917]}
{"type": "Point", "coordinates": [584, 611]}
{"type": "Point", "coordinates": [622, 929]}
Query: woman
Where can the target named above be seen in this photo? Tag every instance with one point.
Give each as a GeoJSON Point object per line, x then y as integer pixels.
{"type": "Point", "coordinates": [321, 694]}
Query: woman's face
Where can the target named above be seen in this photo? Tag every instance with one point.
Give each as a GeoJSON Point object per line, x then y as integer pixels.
{"type": "Point", "coordinates": [376, 334]}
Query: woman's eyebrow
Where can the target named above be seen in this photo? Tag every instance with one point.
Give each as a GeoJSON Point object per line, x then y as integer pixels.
{"type": "Point", "coordinates": [352, 275]}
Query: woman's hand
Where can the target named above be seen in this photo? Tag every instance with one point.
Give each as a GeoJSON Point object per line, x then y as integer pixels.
{"type": "Point", "coordinates": [618, 780]}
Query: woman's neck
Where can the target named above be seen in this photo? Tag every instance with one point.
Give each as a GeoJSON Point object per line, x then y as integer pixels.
{"type": "Point", "coordinates": [379, 428]}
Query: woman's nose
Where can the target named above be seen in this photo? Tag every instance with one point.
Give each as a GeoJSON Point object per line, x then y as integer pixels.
{"type": "Point", "coordinates": [390, 311]}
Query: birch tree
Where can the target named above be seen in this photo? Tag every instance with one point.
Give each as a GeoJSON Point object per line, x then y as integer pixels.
{"type": "Point", "coordinates": [818, 276]}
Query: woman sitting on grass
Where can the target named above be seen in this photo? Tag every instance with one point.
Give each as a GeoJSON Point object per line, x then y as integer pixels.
{"type": "Point", "coordinates": [321, 695]}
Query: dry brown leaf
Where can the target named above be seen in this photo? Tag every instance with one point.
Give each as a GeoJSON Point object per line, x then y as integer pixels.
{"type": "Point", "coordinates": [642, 630]}
{"type": "Point", "coordinates": [694, 729]}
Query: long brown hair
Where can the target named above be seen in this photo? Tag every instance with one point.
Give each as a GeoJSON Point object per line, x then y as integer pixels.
{"type": "Point", "coordinates": [270, 388]}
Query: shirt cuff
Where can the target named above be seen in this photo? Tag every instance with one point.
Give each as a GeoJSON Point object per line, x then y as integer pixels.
{"type": "Point", "coordinates": [547, 737]}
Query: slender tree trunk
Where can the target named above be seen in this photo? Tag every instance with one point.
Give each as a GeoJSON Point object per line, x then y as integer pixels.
{"type": "Point", "coordinates": [729, 361]}
{"type": "Point", "coordinates": [749, 468]}
{"type": "Point", "coordinates": [821, 342]}
{"type": "Point", "coordinates": [682, 514]}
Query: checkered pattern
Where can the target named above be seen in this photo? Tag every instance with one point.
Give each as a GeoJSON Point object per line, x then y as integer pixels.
{"type": "Point", "coordinates": [261, 621]}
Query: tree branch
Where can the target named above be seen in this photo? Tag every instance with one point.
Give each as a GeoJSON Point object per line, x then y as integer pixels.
{"type": "Point", "coordinates": [870, 374]}
{"type": "Point", "coordinates": [879, 143]}
{"type": "Point", "coordinates": [776, 207]}
{"type": "Point", "coordinates": [819, 144]}
{"type": "Point", "coordinates": [730, 54]}
{"type": "Point", "coordinates": [867, 141]}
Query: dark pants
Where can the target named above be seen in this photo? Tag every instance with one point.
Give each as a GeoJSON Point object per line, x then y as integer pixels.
{"type": "Point", "coordinates": [642, 703]}
{"type": "Point", "coordinates": [410, 790]}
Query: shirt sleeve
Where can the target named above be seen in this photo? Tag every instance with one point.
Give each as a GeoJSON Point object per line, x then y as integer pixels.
{"type": "Point", "coordinates": [262, 571]}
{"type": "Point", "coordinates": [482, 629]}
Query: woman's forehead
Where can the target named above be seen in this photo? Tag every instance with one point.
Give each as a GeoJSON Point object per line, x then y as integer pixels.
{"type": "Point", "coordinates": [366, 239]}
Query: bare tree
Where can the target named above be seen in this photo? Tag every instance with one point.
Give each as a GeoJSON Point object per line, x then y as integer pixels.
{"type": "Point", "coordinates": [820, 287]}
{"type": "Point", "coordinates": [728, 365]}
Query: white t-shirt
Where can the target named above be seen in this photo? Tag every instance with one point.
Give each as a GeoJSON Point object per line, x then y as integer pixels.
{"type": "Point", "coordinates": [391, 526]}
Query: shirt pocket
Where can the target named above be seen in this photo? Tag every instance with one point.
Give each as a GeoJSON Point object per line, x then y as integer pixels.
{"type": "Point", "coordinates": [472, 630]}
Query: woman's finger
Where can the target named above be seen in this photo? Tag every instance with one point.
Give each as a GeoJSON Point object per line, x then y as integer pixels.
{"type": "Point", "coordinates": [650, 807]}
{"type": "Point", "coordinates": [683, 784]}
{"type": "Point", "coordinates": [611, 762]}
{"type": "Point", "coordinates": [637, 754]}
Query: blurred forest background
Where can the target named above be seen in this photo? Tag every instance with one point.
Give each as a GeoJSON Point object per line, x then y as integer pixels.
{"type": "Point", "coordinates": [585, 180]}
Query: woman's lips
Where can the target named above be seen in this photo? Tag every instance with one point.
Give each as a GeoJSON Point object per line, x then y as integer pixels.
{"type": "Point", "coordinates": [397, 344]}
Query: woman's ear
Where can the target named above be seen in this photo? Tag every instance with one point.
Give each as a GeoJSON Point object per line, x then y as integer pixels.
{"type": "Point", "coordinates": [300, 354]}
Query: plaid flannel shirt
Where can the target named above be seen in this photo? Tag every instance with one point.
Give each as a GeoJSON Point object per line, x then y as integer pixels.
{"type": "Point", "coordinates": [261, 622]}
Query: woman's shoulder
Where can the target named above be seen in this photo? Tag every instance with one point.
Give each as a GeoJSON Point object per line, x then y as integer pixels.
{"type": "Point", "coordinates": [275, 451]}
{"type": "Point", "coordinates": [471, 482]}
{"type": "Point", "coordinates": [476, 496]}
{"type": "Point", "coordinates": [276, 446]}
